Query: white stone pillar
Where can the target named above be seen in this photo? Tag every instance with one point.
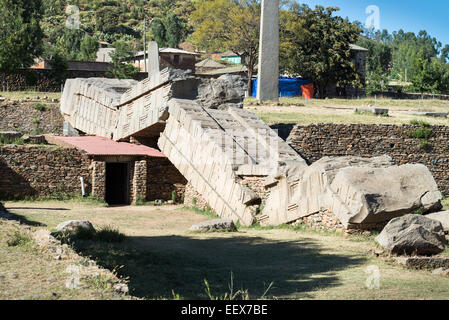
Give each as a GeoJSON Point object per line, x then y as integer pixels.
{"type": "Point", "coordinates": [153, 58]}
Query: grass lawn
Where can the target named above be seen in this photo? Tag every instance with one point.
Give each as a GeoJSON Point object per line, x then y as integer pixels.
{"type": "Point", "coordinates": [161, 257]}
{"type": "Point", "coordinates": [297, 110]}
{"type": "Point", "coordinates": [446, 204]}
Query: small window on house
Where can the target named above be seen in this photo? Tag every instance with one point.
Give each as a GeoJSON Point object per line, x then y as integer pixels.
{"type": "Point", "coordinates": [176, 59]}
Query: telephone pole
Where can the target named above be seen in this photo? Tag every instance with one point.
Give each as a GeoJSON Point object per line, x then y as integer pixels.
{"type": "Point", "coordinates": [145, 43]}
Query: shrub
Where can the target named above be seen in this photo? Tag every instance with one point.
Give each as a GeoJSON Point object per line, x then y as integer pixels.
{"type": "Point", "coordinates": [182, 198]}
{"type": "Point", "coordinates": [173, 196]}
{"type": "Point", "coordinates": [140, 201]}
{"type": "Point", "coordinates": [424, 132]}
{"type": "Point", "coordinates": [107, 234]}
{"type": "Point", "coordinates": [7, 140]}
{"type": "Point", "coordinates": [39, 106]}
{"type": "Point", "coordinates": [421, 123]}
{"type": "Point", "coordinates": [85, 234]}
{"type": "Point", "coordinates": [419, 211]}
{"type": "Point", "coordinates": [110, 234]}
{"type": "Point", "coordinates": [425, 145]}
{"type": "Point", "coordinates": [19, 239]}
{"type": "Point", "coordinates": [420, 133]}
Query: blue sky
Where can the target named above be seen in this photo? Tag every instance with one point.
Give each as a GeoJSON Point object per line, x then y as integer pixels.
{"type": "Point", "coordinates": [409, 15]}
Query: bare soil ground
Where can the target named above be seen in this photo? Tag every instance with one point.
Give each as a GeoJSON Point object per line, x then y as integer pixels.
{"type": "Point", "coordinates": [161, 257]}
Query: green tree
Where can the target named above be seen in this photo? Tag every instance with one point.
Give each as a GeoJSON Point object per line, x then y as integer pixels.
{"type": "Point", "coordinates": [379, 61]}
{"type": "Point", "coordinates": [120, 66]}
{"type": "Point", "coordinates": [58, 65]}
{"type": "Point", "coordinates": [316, 44]}
{"type": "Point", "coordinates": [158, 31]}
{"type": "Point", "coordinates": [376, 81]}
{"type": "Point", "coordinates": [88, 48]}
{"type": "Point", "coordinates": [173, 28]}
{"type": "Point", "coordinates": [69, 43]}
{"type": "Point", "coordinates": [445, 53]}
{"type": "Point", "coordinates": [21, 38]}
{"type": "Point", "coordinates": [234, 25]}
{"type": "Point", "coordinates": [423, 78]}
{"type": "Point", "coordinates": [107, 18]}
{"type": "Point", "coordinates": [379, 57]}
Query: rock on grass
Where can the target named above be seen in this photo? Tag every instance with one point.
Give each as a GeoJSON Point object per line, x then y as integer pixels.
{"type": "Point", "coordinates": [413, 234]}
{"type": "Point", "coordinates": [225, 225]}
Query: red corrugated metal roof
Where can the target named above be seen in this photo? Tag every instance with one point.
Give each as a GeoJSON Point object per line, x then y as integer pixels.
{"type": "Point", "coordinates": [99, 146]}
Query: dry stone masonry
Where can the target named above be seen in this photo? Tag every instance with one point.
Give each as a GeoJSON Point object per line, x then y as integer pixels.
{"type": "Point", "coordinates": [44, 171]}
{"type": "Point", "coordinates": [316, 141]}
{"type": "Point", "coordinates": [25, 118]}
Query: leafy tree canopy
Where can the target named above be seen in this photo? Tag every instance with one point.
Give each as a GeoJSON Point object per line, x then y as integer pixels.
{"type": "Point", "coordinates": [315, 44]}
{"type": "Point", "coordinates": [229, 25]}
{"type": "Point", "coordinates": [122, 55]}
{"type": "Point", "coordinates": [416, 58]}
{"type": "Point", "coordinates": [21, 39]}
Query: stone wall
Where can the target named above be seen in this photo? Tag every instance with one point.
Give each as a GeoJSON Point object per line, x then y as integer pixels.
{"type": "Point", "coordinates": [98, 169]}
{"type": "Point", "coordinates": [139, 183]}
{"type": "Point", "coordinates": [52, 171]}
{"type": "Point", "coordinates": [163, 178]}
{"type": "Point", "coordinates": [255, 184]}
{"type": "Point", "coordinates": [44, 81]}
{"type": "Point", "coordinates": [42, 171]}
{"type": "Point", "coordinates": [315, 141]}
{"type": "Point", "coordinates": [23, 117]}
{"type": "Point", "coordinates": [324, 220]}
{"type": "Point", "coordinates": [192, 198]}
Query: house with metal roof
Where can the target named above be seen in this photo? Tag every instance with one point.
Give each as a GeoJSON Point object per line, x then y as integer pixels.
{"type": "Point", "coordinates": [168, 57]}
{"type": "Point", "coordinates": [121, 173]}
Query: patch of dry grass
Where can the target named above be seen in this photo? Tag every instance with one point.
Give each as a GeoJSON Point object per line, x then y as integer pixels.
{"type": "Point", "coordinates": [22, 95]}
{"type": "Point", "coordinates": [41, 277]}
{"type": "Point", "coordinates": [297, 110]}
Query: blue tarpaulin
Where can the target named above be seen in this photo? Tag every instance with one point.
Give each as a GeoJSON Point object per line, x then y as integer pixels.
{"type": "Point", "coordinates": [288, 87]}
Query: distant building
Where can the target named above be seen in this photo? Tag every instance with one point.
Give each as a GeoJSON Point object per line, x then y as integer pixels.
{"type": "Point", "coordinates": [104, 54]}
{"type": "Point", "coordinates": [358, 57]}
{"type": "Point", "coordinates": [76, 66]}
{"type": "Point", "coordinates": [231, 57]}
{"type": "Point", "coordinates": [104, 44]}
{"type": "Point", "coordinates": [234, 70]}
{"type": "Point", "coordinates": [208, 65]}
{"type": "Point", "coordinates": [169, 57]}
{"type": "Point", "coordinates": [188, 46]}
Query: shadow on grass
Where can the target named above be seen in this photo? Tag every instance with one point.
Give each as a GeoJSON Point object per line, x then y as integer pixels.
{"type": "Point", "coordinates": [23, 220]}
{"type": "Point", "coordinates": [157, 265]}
